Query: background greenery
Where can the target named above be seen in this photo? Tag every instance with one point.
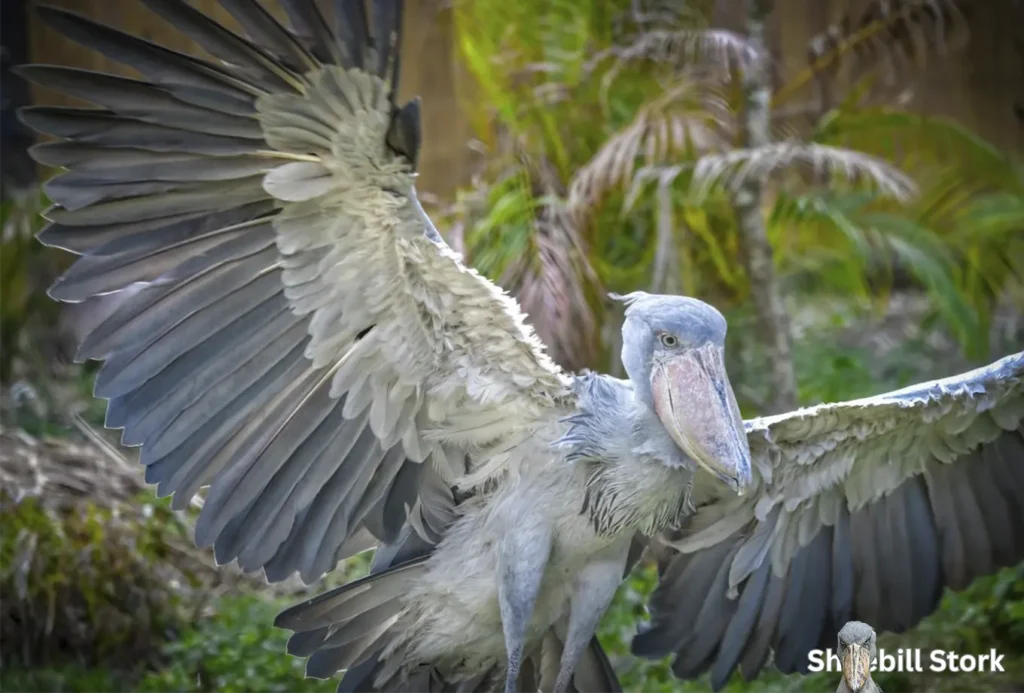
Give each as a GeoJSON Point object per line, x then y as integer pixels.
{"type": "Point", "coordinates": [614, 138]}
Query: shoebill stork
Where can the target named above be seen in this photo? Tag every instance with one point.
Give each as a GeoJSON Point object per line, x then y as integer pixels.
{"type": "Point", "coordinates": [297, 337]}
{"type": "Point", "coordinates": [857, 651]}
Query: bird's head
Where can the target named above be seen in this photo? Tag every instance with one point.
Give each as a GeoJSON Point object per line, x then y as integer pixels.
{"type": "Point", "coordinates": [673, 349]}
{"type": "Point", "coordinates": [856, 652]}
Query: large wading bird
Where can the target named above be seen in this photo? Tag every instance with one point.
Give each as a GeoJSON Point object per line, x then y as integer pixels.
{"type": "Point", "coordinates": [857, 651]}
{"type": "Point", "coordinates": [296, 335]}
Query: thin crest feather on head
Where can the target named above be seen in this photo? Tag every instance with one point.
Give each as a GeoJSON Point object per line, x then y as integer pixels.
{"type": "Point", "coordinates": [630, 298]}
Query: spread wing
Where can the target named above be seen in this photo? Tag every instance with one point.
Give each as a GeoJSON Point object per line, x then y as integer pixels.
{"type": "Point", "coordinates": [863, 510]}
{"type": "Point", "coordinates": [294, 333]}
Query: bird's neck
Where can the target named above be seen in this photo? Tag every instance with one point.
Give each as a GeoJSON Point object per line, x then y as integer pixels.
{"type": "Point", "coordinates": [635, 476]}
{"type": "Point", "coordinates": [650, 440]}
{"type": "Point", "coordinates": [612, 424]}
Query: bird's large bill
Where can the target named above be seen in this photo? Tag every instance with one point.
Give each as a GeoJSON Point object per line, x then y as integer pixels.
{"type": "Point", "coordinates": [856, 663]}
{"type": "Point", "coordinates": [694, 400]}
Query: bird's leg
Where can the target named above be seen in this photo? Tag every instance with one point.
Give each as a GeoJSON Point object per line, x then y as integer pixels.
{"type": "Point", "coordinates": [593, 590]}
{"type": "Point", "coordinates": [522, 559]}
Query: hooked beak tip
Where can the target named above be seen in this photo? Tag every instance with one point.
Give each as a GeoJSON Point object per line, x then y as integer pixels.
{"type": "Point", "coordinates": [740, 482]}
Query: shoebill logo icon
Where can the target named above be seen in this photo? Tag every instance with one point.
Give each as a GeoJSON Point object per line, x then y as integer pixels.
{"type": "Point", "coordinates": [857, 651]}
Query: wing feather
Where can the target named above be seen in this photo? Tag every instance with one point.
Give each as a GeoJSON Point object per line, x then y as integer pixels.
{"type": "Point", "coordinates": [291, 330]}
{"type": "Point", "coordinates": [192, 81]}
{"type": "Point", "coordinates": [868, 510]}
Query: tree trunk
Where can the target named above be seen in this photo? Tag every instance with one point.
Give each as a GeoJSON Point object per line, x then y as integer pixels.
{"type": "Point", "coordinates": [747, 201]}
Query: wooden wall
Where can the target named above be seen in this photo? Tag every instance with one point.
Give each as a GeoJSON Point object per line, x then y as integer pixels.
{"type": "Point", "coordinates": [429, 66]}
{"type": "Point", "coordinates": [980, 84]}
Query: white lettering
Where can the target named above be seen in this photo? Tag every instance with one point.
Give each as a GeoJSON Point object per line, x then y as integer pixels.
{"type": "Point", "coordinates": [823, 660]}
{"type": "Point", "coordinates": [886, 662]}
{"type": "Point", "coordinates": [833, 661]}
{"type": "Point", "coordinates": [816, 663]}
{"type": "Point", "coordinates": [996, 661]}
{"type": "Point", "coordinates": [910, 660]}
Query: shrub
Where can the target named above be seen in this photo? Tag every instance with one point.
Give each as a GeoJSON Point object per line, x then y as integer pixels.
{"type": "Point", "coordinates": [92, 571]}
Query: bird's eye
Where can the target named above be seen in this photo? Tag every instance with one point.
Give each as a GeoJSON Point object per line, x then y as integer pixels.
{"type": "Point", "coordinates": [669, 340]}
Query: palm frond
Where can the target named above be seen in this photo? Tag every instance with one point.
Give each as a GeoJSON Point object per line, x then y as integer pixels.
{"type": "Point", "coordinates": [582, 105]}
{"type": "Point", "coordinates": [686, 121]}
{"type": "Point", "coordinates": [555, 286]}
{"type": "Point", "coordinates": [932, 141]}
{"type": "Point", "coordinates": [859, 248]}
{"type": "Point", "coordinates": [717, 49]}
{"type": "Point", "coordinates": [518, 231]}
{"type": "Point", "coordinates": [892, 37]}
{"type": "Point", "coordinates": [731, 169]}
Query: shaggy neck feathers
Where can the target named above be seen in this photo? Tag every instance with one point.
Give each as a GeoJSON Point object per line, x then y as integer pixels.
{"type": "Point", "coordinates": [637, 478]}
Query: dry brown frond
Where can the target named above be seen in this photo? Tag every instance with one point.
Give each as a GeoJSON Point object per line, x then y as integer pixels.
{"type": "Point", "coordinates": [677, 48]}
{"type": "Point", "coordinates": [686, 121]}
{"type": "Point", "coordinates": [61, 471]}
{"type": "Point", "coordinates": [731, 169]}
{"type": "Point", "coordinates": [93, 569]}
{"type": "Point", "coordinates": [892, 36]}
{"type": "Point", "coordinates": [552, 287]}
{"type": "Point", "coordinates": [554, 281]}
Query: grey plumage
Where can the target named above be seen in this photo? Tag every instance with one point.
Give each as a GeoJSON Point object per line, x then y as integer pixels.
{"type": "Point", "coordinates": [891, 543]}
{"type": "Point", "coordinates": [191, 81]}
{"type": "Point", "coordinates": [857, 650]}
{"type": "Point", "coordinates": [147, 103]}
{"type": "Point", "coordinates": [294, 334]}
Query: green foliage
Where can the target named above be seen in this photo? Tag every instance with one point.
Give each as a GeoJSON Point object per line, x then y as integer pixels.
{"type": "Point", "coordinates": [234, 649]}
{"type": "Point", "coordinates": [585, 102]}
{"type": "Point", "coordinates": [93, 571]}
{"type": "Point", "coordinates": [26, 269]}
{"type": "Point", "coordinates": [64, 678]}
{"type": "Point", "coordinates": [88, 580]}
{"type": "Point", "coordinates": [103, 589]}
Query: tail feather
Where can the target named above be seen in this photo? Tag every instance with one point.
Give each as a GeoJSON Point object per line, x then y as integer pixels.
{"type": "Point", "coordinates": [305, 643]}
{"type": "Point", "coordinates": [358, 626]}
{"type": "Point", "coordinates": [348, 628]}
{"type": "Point", "coordinates": [594, 673]}
{"type": "Point", "coordinates": [339, 624]}
{"type": "Point", "coordinates": [480, 682]}
{"type": "Point", "coordinates": [348, 601]}
{"type": "Point", "coordinates": [329, 661]}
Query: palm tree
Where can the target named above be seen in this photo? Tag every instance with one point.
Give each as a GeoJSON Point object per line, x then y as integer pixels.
{"type": "Point", "coordinates": [623, 151]}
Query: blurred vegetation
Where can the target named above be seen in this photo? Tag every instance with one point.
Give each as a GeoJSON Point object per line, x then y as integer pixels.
{"type": "Point", "coordinates": [612, 140]}
{"type": "Point", "coordinates": [614, 137]}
